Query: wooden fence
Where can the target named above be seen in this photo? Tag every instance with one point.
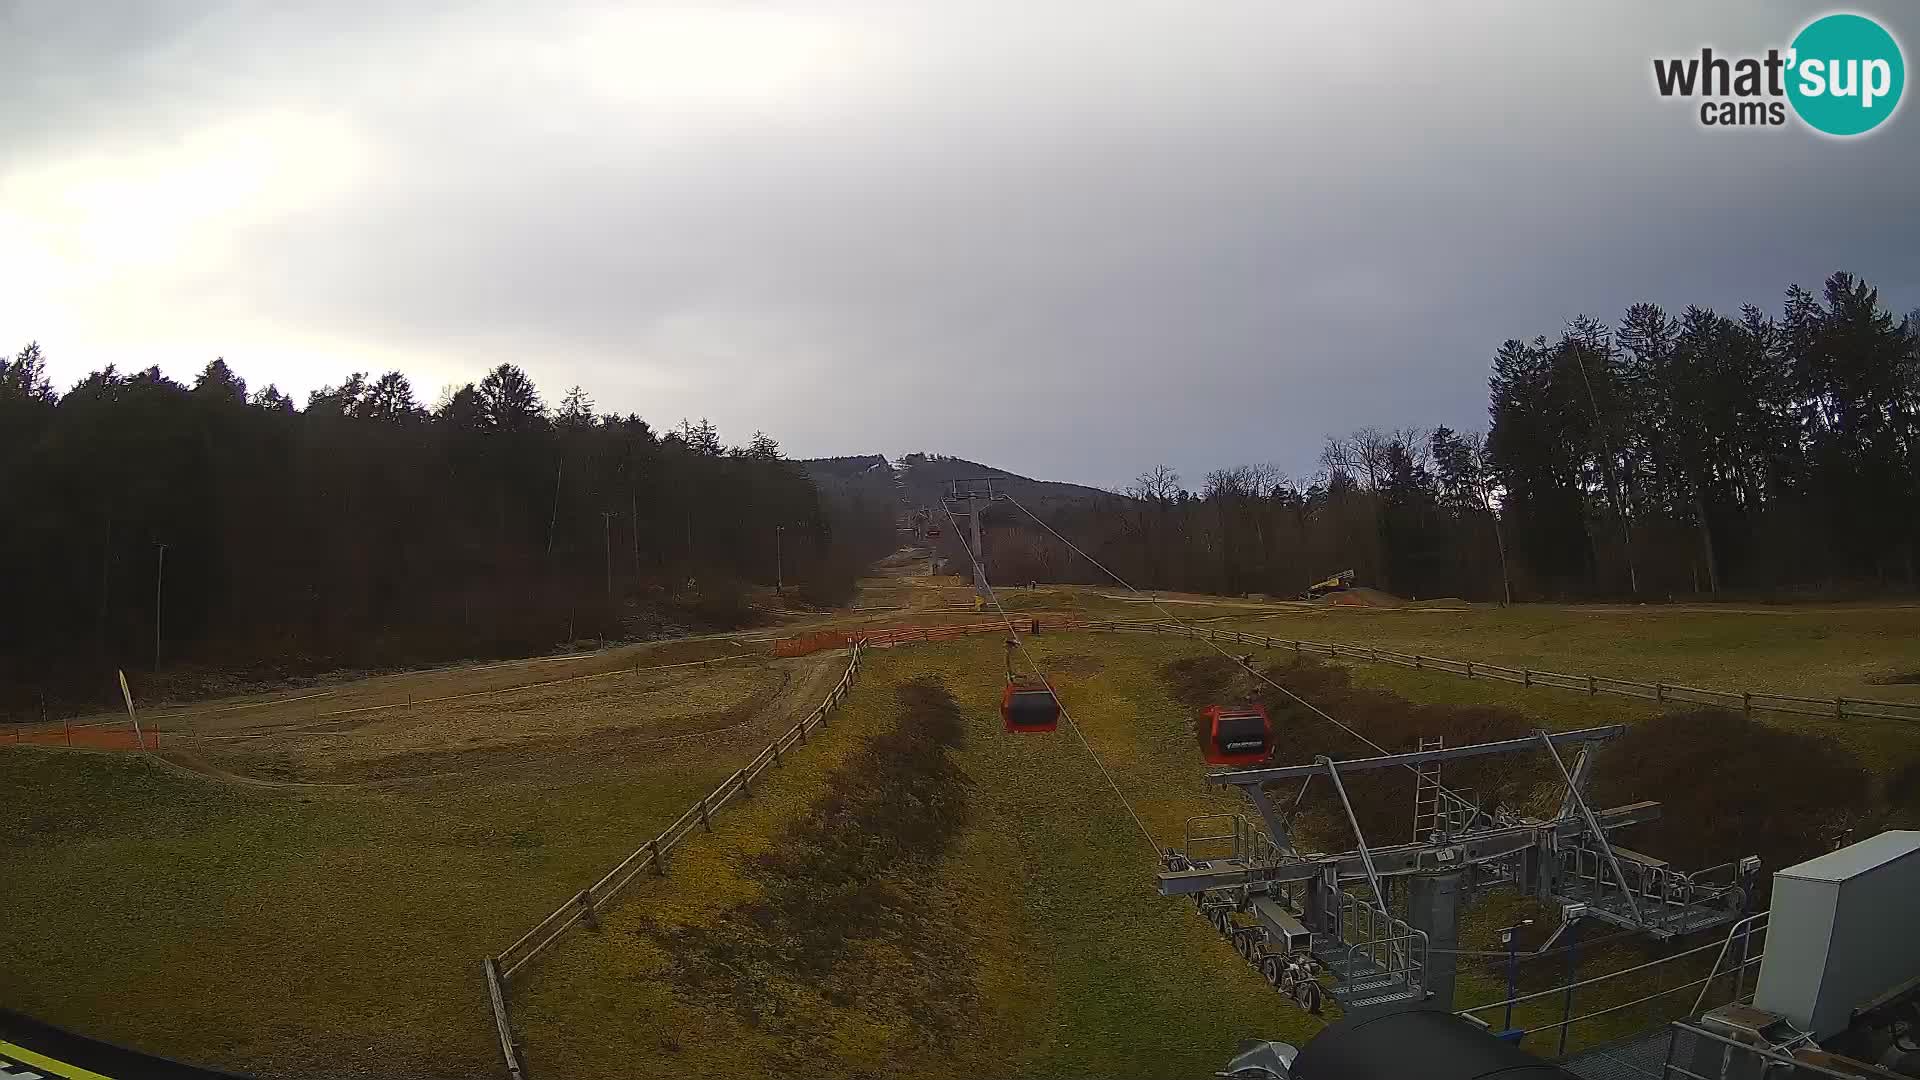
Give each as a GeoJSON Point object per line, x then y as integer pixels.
{"type": "Point", "coordinates": [1747, 701]}
{"type": "Point", "coordinates": [585, 906]}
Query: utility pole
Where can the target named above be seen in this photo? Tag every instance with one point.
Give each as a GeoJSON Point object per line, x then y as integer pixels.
{"type": "Point", "coordinates": [633, 508]}
{"type": "Point", "coordinates": [779, 570]}
{"type": "Point", "coordinates": [606, 520]}
{"type": "Point", "coordinates": [159, 576]}
{"type": "Point", "coordinates": [553, 519]}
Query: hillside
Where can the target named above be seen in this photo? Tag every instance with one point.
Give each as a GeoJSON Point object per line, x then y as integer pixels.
{"type": "Point", "coordinates": [920, 480]}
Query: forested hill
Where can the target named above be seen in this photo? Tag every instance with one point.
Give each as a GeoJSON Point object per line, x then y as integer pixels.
{"type": "Point", "coordinates": [920, 480]}
{"type": "Point", "coordinates": [366, 529]}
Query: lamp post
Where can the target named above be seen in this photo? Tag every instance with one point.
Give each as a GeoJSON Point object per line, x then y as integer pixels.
{"type": "Point", "coordinates": [1513, 970]}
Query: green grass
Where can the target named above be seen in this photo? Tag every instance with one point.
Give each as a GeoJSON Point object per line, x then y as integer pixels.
{"type": "Point", "coordinates": [1079, 967]}
{"type": "Point", "coordinates": [1817, 652]}
{"type": "Point", "coordinates": [312, 936]}
{"type": "Point", "coordinates": [323, 937]}
{"type": "Point", "coordinates": [1790, 653]}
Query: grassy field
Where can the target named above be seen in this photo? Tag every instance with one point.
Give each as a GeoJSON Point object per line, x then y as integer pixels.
{"type": "Point", "coordinates": [1811, 651]}
{"type": "Point", "coordinates": [318, 904]}
{"type": "Point", "coordinates": [1073, 965]}
{"type": "Point", "coordinates": [314, 932]}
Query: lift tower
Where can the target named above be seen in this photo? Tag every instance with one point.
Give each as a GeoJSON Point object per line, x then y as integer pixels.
{"type": "Point", "coordinates": [973, 497]}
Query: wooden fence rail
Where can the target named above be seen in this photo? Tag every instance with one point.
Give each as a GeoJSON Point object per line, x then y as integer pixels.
{"type": "Point", "coordinates": [1747, 701]}
{"type": "Point", "coordinates": [587, 904]}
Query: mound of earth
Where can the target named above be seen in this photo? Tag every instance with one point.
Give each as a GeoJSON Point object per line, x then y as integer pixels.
{"type": "Point", "coordinates": [1732, 786]}
{"type": "Point", "coordinates": [1363, 597]}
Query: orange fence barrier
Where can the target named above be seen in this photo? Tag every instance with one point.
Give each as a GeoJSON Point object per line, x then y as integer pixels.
{"type": "Point", "coordinates": [88, 737]}
{"type": "Point", "coordinates": [840, 639]}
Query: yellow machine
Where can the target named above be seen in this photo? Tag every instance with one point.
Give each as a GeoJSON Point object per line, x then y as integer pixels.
{"type": "Point", "coordinates": [1338, 582]}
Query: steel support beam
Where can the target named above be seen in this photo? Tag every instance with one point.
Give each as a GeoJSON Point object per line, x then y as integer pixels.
{"type": "Point", "coordinates": [1487, 846]}
{"type": "Point", "coordinates": [1244, 777]}
{"type": "Point", "coordinates": [1276, 828]}
{"type": "Point", "coordinates": [1599, 837]}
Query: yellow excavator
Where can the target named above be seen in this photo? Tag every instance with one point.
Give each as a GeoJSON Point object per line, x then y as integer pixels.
{"type": "Point", "coordinates": [1337, 583]}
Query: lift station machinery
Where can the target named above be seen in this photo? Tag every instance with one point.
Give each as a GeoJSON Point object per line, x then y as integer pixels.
{"type": "Point", "coordinates": [1295, 915]}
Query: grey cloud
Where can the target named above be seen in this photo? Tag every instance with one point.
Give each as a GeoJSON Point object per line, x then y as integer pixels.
{"type": "Point", "coordinates": [1072, 241]}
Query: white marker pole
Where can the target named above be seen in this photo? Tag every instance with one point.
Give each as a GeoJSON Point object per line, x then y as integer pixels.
{"type": "Point", "coordinates": [127, 696]}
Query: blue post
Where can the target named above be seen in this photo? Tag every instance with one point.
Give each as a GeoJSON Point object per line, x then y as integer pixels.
{"type": "Point", "coordinates": [1512, 980]}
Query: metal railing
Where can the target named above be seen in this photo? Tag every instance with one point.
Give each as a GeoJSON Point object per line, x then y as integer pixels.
{"type": "Point", "coordinates": [1379, 942]}
{"type": "Point", "coordinates": [1743, 931]}
{"type": "Point", "coordinates": [1245, 841]}
{"type": "Point", "coordinates": [1671, 892]}
{"type": "Point", "coordinates": [586, 905]}
{"type": "Point", "coordinates": [1712, 1056]}
{"type": "Point", "coordinates": [1746, 701]}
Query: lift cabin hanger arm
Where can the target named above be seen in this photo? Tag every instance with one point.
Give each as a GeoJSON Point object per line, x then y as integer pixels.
{"type": "Point", "coordinates": [1399, 859]}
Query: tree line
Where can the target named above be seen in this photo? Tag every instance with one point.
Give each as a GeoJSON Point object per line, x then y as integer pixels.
{"type": "Point", "coordinates": [1698, 454]}
{"type": "Point", "coordinates": [154, 525]}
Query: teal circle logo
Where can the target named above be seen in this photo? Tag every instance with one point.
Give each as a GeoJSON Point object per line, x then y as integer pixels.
{"type": "Point", "coordinates": [1845, 74]}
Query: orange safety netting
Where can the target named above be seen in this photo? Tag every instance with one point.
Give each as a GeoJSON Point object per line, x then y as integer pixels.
{"type": "Point", "coordinates": [840, 639]}
{"type": "Point", "coordinates": [89, 737]}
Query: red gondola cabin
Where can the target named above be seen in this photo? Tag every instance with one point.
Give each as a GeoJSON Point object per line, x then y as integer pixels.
{"type": "Point", "coordinates": [1028, 707]}
{"type": "Point", "coordinates": [1236, 734]}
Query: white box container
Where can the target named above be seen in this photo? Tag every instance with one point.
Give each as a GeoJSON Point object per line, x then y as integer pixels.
{"type": "Point", "coordinates": [1841, 932]}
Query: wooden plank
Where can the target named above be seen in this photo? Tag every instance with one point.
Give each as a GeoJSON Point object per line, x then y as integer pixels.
{"type": "Point", "coordinates": [501, 1027]}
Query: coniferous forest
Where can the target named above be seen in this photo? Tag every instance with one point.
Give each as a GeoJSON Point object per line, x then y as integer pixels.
{"type": "Point", "coordinates": [1759, 454]}
{"type": "Point", "coordinates": [369, 530]}
{"type": "Point", "coordinates": [1763, 454]}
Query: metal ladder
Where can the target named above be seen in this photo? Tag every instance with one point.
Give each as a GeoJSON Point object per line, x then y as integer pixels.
{"type": "Point", "coordinates": [1427, 816]}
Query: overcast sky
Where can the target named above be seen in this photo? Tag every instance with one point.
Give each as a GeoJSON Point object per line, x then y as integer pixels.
{"type": "Point", "coordinates": [1069, 239]}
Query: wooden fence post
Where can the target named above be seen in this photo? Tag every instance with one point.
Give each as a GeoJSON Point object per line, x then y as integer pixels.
{"type": "Point", "coordinates": [659, 858]}
{"type": "Point", "coordinates": [1591, 688]}
{"type": "Point", "coordinates": [1526, 676]}
{"type": "Point", "coordinates": [1839, 709]}
{"type": "Point", "coordinates": [706, 816]}
{"type": "Point", "coordinates": [1416, 661]}
{"type": "Point", "coordinates": [590, 917]}
{"type": "Point", "coordinates": [746, 788]}
{"type": "Point", "coordinates": [1659, 691]}
{"type": "Point", "coordinates": [1746, 702]}
{"type": "Point", "coordinates": [1469, 669]}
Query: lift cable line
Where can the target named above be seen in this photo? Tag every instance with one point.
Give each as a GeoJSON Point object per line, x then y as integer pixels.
{"type": "Point", "coordinates": [1215, 646]}
{"type": "Point", "coordinates": [1014, 637]}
